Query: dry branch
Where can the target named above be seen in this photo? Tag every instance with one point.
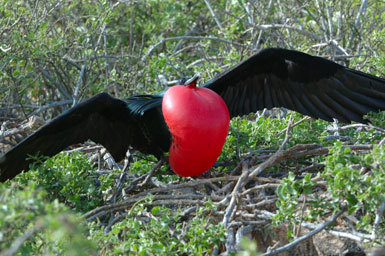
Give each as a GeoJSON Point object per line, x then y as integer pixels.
{"type": "Point", "coordinates": [162, 41]}
{"type": "Point", "coordinates": [308, 235]}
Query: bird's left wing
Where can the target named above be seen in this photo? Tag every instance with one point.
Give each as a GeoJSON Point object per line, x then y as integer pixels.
{"type": "Point", "coordinates": [102, 118]}
{"type": "Point", "coordinates": [310, 85]}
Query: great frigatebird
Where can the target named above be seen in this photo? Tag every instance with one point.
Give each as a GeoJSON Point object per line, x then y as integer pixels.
{"type": "Point", "coordinates": [311, 85]}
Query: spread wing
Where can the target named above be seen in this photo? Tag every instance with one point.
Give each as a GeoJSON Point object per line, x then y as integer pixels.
{"type": "Point", "coordinates": [102, 118]}
{"type": "Point", "coordinates": [313, 86]}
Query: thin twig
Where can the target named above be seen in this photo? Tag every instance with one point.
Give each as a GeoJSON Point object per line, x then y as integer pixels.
{"type": "Point", "coordinates": [308, 235]}
{"type": "Point", "coordinates": [60, 86]}
{"type": "Point", "coordinates": [120, 182]}
{"type": "Point", "coordinates": [379, 215]}
{"type": "Point", "coordinates": [277, 155]}
{"type": "Point", "coordinates": [351, 234]}
{"type": "Point", "coordinates": [21, 239]}
{"type": "Point", "coordinates": [162, 41]}
{"type": "Point", "coordinates": [152, 172]}
{"type": "Point", "coordinates": [241, 233]}
{"type": "Point", "coordinates": [10, 27]}
{"type": "Point", "coordinates": [235, 195]}
{"type": "Point", "coordinates": [230, 241]}
{"type": "Point", "coordinates": [295, 124]}
{"type": "Point", "coordinates": [213, 14]}
{"type": "Point", "coordinates": [52, 105]}
{"type": "Point", "coordinates": [259, 187]}
{"type": "Point", "coordinates": [78, 84]}
{"type": "Point", "coordinates": [33, 123]}
{"type": "Point", "coordinates": [356, 29]}
{"type": "Point", "coordinates": [276, 26]}
{"type": "Point", "coordinates": [350, 126]}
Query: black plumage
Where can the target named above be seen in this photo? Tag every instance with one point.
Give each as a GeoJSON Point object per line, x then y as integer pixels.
{"type": "Point", "coordinates": [273, 77]}
{"type": "Point", "coordinates": [307, 84]}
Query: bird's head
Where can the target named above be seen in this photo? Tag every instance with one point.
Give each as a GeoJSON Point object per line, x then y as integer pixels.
{"type": "Point", "coordinates": [191, 83]}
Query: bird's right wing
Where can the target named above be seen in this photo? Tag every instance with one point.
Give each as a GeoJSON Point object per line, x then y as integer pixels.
{"type": "Point", "coordinates": [307, 84]}
{"type": "Point", "coordinates": [102, 118]}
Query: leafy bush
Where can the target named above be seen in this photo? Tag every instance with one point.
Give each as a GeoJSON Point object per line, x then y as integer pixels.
{"type": "Point", "coordinates": [158, 232]}
{"type": "Point", "coordinates": [31, 224]}
{"type": "Point", "coordinates": [356, 180]}
{"type": "Point", "coordinates": [69, 178]}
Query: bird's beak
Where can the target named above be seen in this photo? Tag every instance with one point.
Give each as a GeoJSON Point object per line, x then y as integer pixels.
{"type": "Point", "coordinates": [193, 79]}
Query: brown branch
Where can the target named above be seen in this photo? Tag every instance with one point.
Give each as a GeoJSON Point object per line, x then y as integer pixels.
{"type": "Point", "coordinates": [235, 195]}
{"type": "Point", "coordinates": [162, 41]}
{"type": "Point", "coordinates": [308, 235]}
{"type": "Point", "coordinates": [277, 156]}
{"type": "Point", "coordinates": [295, 124]}
{"type": "Point", "coordinates": [18, 242]}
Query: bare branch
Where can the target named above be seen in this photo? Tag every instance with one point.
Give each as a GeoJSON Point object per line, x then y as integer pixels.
{"type": "Point", "coordinates": [361, 12]}
{"type": "Point", "coordinates": [191, 38]}
{"type": "Point", "coordinates": [379, 215]}
{"type": "Point", "coordinates": [276, 156]}
{"type": "Point", "coordinates": [213, 14]}
{"type": "Point", "coordinates": [78, 84]}
{"type": "Point", "coordinates": [15, 246]}
{"type": "Point", "coordinates": [235, 195]}
{"type": "Point", "coordinates": [308, 235]}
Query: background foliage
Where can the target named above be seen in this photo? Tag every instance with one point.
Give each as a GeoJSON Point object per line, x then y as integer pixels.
{"type": "Point", "coordinates": [54, 54]}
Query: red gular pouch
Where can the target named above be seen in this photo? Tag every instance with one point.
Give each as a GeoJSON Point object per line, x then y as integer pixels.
{"type": "Point", "coordinates": [198, 120]}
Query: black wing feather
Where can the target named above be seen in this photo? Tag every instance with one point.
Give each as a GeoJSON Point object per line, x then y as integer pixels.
{"type": "Point", "coordinates": [311, 85]}
{"type": "Point", "coordinates": [103, 119]}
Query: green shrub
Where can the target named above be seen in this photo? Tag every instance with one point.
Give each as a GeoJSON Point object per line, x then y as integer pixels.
{"type": "Point", "coordinates": [42, 227]}
{"type": "Point", "coordinates": [70, 178]}
{"type": "Point", "coordinates": [158, 232]}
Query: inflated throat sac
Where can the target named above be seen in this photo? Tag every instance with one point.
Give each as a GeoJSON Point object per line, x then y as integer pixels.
{"type": "Point", "coordinates": [198, 120]}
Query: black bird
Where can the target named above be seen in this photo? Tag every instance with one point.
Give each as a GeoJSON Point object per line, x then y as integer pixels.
{"type": "Point", "coordinates": [311, 85]}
